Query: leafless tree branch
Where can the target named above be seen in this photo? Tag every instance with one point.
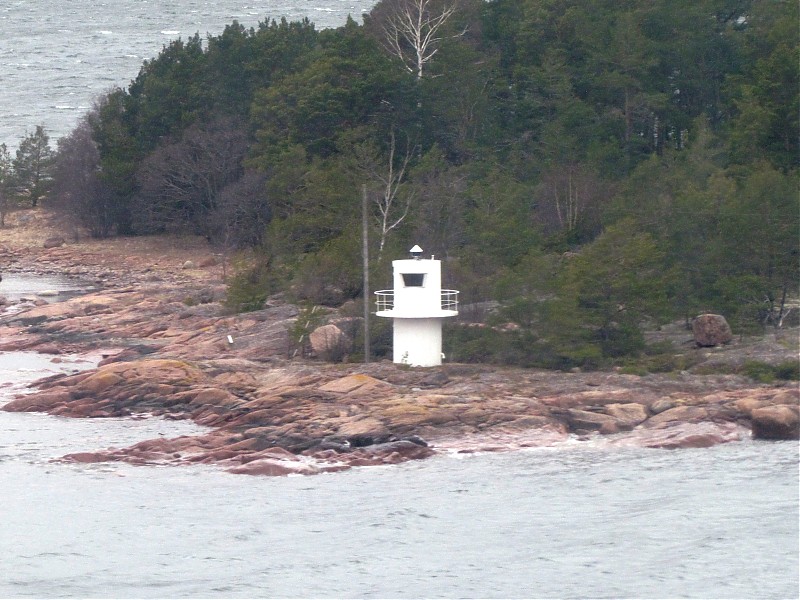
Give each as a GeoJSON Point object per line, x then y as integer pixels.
{"type": "Point", "coordinates": [411, 32]}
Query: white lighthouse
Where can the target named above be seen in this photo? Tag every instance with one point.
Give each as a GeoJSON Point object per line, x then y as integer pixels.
{"type": "Point", "coordinates": [417, 305]}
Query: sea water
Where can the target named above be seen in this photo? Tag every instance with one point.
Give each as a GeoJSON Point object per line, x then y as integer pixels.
{"type": "Point", "coordinates": [57, 58]}
{"type": "Point", "coordinates": [18, 286]}
{"type": "Point", "coordinates": [571, 521]}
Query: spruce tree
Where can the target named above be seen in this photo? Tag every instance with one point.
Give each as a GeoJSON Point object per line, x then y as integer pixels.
{"type": "Point", "coordinates": [32, 165]}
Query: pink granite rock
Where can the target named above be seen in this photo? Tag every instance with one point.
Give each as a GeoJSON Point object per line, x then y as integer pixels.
{"type": "Point", "coordinates": [711, 330]}
{"type": "Point", "coordinates": [780, 422]}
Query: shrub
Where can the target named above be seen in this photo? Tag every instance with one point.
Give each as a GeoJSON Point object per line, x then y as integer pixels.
{"type": "Point", "coordinates": [758, 371]}
{"type": "Point", "coordinates": [380, 334]}
{"type": "Point", "coordinates": [250, 286]}
{"type": "Point", "coordinates": [657, 358]}
{"type": "Point", "coordinates": [767, 373]}
{"type": "Point", "coordinates": [522, 348]}
{"type": "Point", "coordinates": [332, 275]}
{"type": "Point", "coordinates": [473, 344]}
{"type": "Point", "coordinates": [308, 319]}
{"type": "Point", "coordinates": [788, 371]}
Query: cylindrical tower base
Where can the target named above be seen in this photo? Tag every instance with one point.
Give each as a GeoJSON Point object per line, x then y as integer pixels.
{"type": "Point", "coordinates": [418, 342]}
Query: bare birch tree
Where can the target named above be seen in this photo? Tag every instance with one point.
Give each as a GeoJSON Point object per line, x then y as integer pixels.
{"type": "Point", "coordinates": [387, 174]}
{"type": "Point", "coordinates": [568, 196]}
{"type": "Point", "coordinates": [392, 208]}
{"type": "Point", "coordinates": [411, 30]}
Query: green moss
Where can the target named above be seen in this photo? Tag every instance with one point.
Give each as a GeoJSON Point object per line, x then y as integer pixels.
{"type": "Point", "coordinates": [758, 371]}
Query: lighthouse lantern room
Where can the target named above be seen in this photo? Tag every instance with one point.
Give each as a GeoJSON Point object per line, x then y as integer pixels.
{"type": "Point", "coordinates": [417, 305]}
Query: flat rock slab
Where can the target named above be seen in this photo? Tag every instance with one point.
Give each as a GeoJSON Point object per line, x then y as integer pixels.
{"type": "Point", "coordinates": [351, 383]}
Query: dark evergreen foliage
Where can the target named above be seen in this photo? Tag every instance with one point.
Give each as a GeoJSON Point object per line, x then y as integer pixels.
{"type": "Point", "coordinates": [591, 165]}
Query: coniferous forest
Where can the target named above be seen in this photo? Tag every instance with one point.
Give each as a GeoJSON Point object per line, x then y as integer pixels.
{"type": "Point", "coordinates": [596, 167]}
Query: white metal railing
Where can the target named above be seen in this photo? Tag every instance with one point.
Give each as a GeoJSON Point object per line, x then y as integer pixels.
{"type": "Point", "coordinates": [384, 300]}
{"type": "Point", "coordinates": [450, 300]}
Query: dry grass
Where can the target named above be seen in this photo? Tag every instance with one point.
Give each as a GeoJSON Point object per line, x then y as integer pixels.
{"type": "Point", "coordinates": [28, 228]}
{"type": "Point", "coordinates": [26, 231]}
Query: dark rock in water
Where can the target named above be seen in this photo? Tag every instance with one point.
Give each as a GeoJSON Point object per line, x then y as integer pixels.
{"type": "Point", "coordinates": [336, 443]}
{"type": "Point", "coordinates": [397, 452]}
{"type": "Point", "coordinates": [776, 423]}
{"type": "Point", "coordinates": [363, 440]}
{"type": "Point", "coordinates": [86, 457]}
{"type": "Point", "coordinates": [416, 440]}
{"type": "Point", "coordinates": [711, 330]}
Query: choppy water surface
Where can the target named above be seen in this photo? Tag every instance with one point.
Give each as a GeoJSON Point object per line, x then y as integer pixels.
{"type": "Point", "coordinates": [57, 58]}
{"type": "Point", "coordinates": [568, 522]}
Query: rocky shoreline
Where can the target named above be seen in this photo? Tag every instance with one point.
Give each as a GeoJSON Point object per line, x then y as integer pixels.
{"type": "Point", "coordinates": [170, 350]}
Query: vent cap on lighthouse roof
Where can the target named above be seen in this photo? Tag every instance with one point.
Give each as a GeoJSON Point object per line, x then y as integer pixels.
{"type": "Point", "coordinates": [416, 251]}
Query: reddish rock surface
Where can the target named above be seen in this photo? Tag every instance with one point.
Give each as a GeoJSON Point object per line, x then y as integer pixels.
{"type": "Point", "coordinates": [776, 423]}
{"type": "Point", "coordinates": [167, 348]}
{"type": "Point", "coordinates": [683, 435]}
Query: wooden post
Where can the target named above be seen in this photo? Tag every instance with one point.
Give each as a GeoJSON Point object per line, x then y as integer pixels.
{"type": "Point", "coordinates": [365, 254]}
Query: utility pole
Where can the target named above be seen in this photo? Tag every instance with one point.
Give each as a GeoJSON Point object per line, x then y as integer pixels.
{"type": "Point", "coordinates": [365, 255]}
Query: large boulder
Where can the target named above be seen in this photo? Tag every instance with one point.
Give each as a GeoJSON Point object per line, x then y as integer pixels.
{"type": "Point", "coordinates": [780, 422]}
{"type": "Point", "coordinates": [328, 341]}
{"type": "Point", "coordinates": [583, 421]}
{"type": "Point", "coordinates": [40, 402]}
{"type": "Point", "coordinates": [628, 415]}
{"type": "Point", "coordinates": [711, 330]}
{"type": "Point", "coordinates": [679, 414]}
{"type": "Point", "coordinates": [390, 453]}
{"type": "Point", "coordinates": [364, 431]}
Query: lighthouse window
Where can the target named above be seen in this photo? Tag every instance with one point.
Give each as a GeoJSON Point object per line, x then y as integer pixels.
{"type": "Point", "coordinates": [414, 279]}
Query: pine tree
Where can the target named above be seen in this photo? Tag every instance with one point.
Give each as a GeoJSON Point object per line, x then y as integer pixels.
{"type": "Point", "coordinates": [6, 181]}
{"type": "Point", "coordinates": [33, 164]}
